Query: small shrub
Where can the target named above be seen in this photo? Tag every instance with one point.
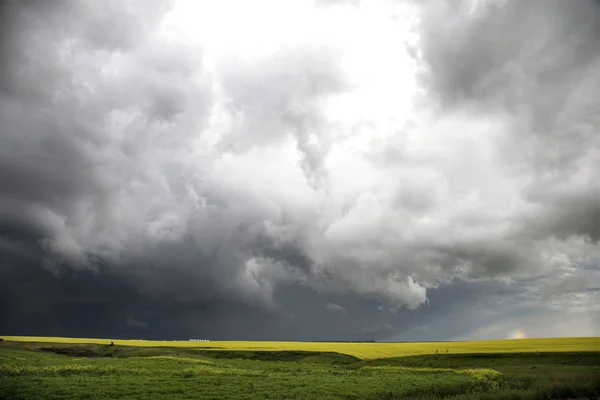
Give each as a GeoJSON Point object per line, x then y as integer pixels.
{"type": "Point", "coordinates": [187, 373]}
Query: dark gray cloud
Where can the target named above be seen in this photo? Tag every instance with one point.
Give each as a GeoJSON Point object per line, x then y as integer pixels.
{"type": "Point", "coordinates": [533, 63]}
{"type": "Point", "coordinates": [517, 53]}
{"type": "Point", "coordinates": [171, 186]}
{"type": "Point", "coordinates": [527, 66]}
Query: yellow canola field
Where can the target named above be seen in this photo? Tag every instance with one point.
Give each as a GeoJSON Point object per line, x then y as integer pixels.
{"type": "Point", "coordinates": [361, 350]}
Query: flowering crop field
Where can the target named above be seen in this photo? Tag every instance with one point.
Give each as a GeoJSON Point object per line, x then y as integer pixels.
{"type": "Point", "coordinates": [360, 350]}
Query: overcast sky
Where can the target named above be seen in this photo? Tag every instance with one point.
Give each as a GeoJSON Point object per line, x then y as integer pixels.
{"type": "Point", "coordinates": [300, 170]}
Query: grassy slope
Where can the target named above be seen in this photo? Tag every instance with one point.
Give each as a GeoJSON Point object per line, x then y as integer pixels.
{"type": "Point", "coordinates": [362, 350]}
{"type": "Point", "coordinates": [31, 370]}
{"type": "Point", "coordinates": [28, 373]}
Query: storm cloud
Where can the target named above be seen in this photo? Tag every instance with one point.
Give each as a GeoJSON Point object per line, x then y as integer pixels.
{"type": "Point", "coordinates": [320, 170]}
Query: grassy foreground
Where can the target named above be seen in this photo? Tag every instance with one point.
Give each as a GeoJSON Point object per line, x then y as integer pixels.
{"type": "Point", "coordinates": [74, 369]}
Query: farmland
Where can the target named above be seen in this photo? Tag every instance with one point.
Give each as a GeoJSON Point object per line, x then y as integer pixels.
{"type": "Point", "coordinates": [57, 368]}
{"type": "Point", "coordinates": [360, 350]}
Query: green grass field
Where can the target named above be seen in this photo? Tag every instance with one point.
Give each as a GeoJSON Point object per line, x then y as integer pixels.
{"type": "Point", "coordinates": [64, 368]}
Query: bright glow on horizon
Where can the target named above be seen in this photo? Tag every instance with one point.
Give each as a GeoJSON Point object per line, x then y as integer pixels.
{"type": "Point", "coordinates": [518, 334]}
